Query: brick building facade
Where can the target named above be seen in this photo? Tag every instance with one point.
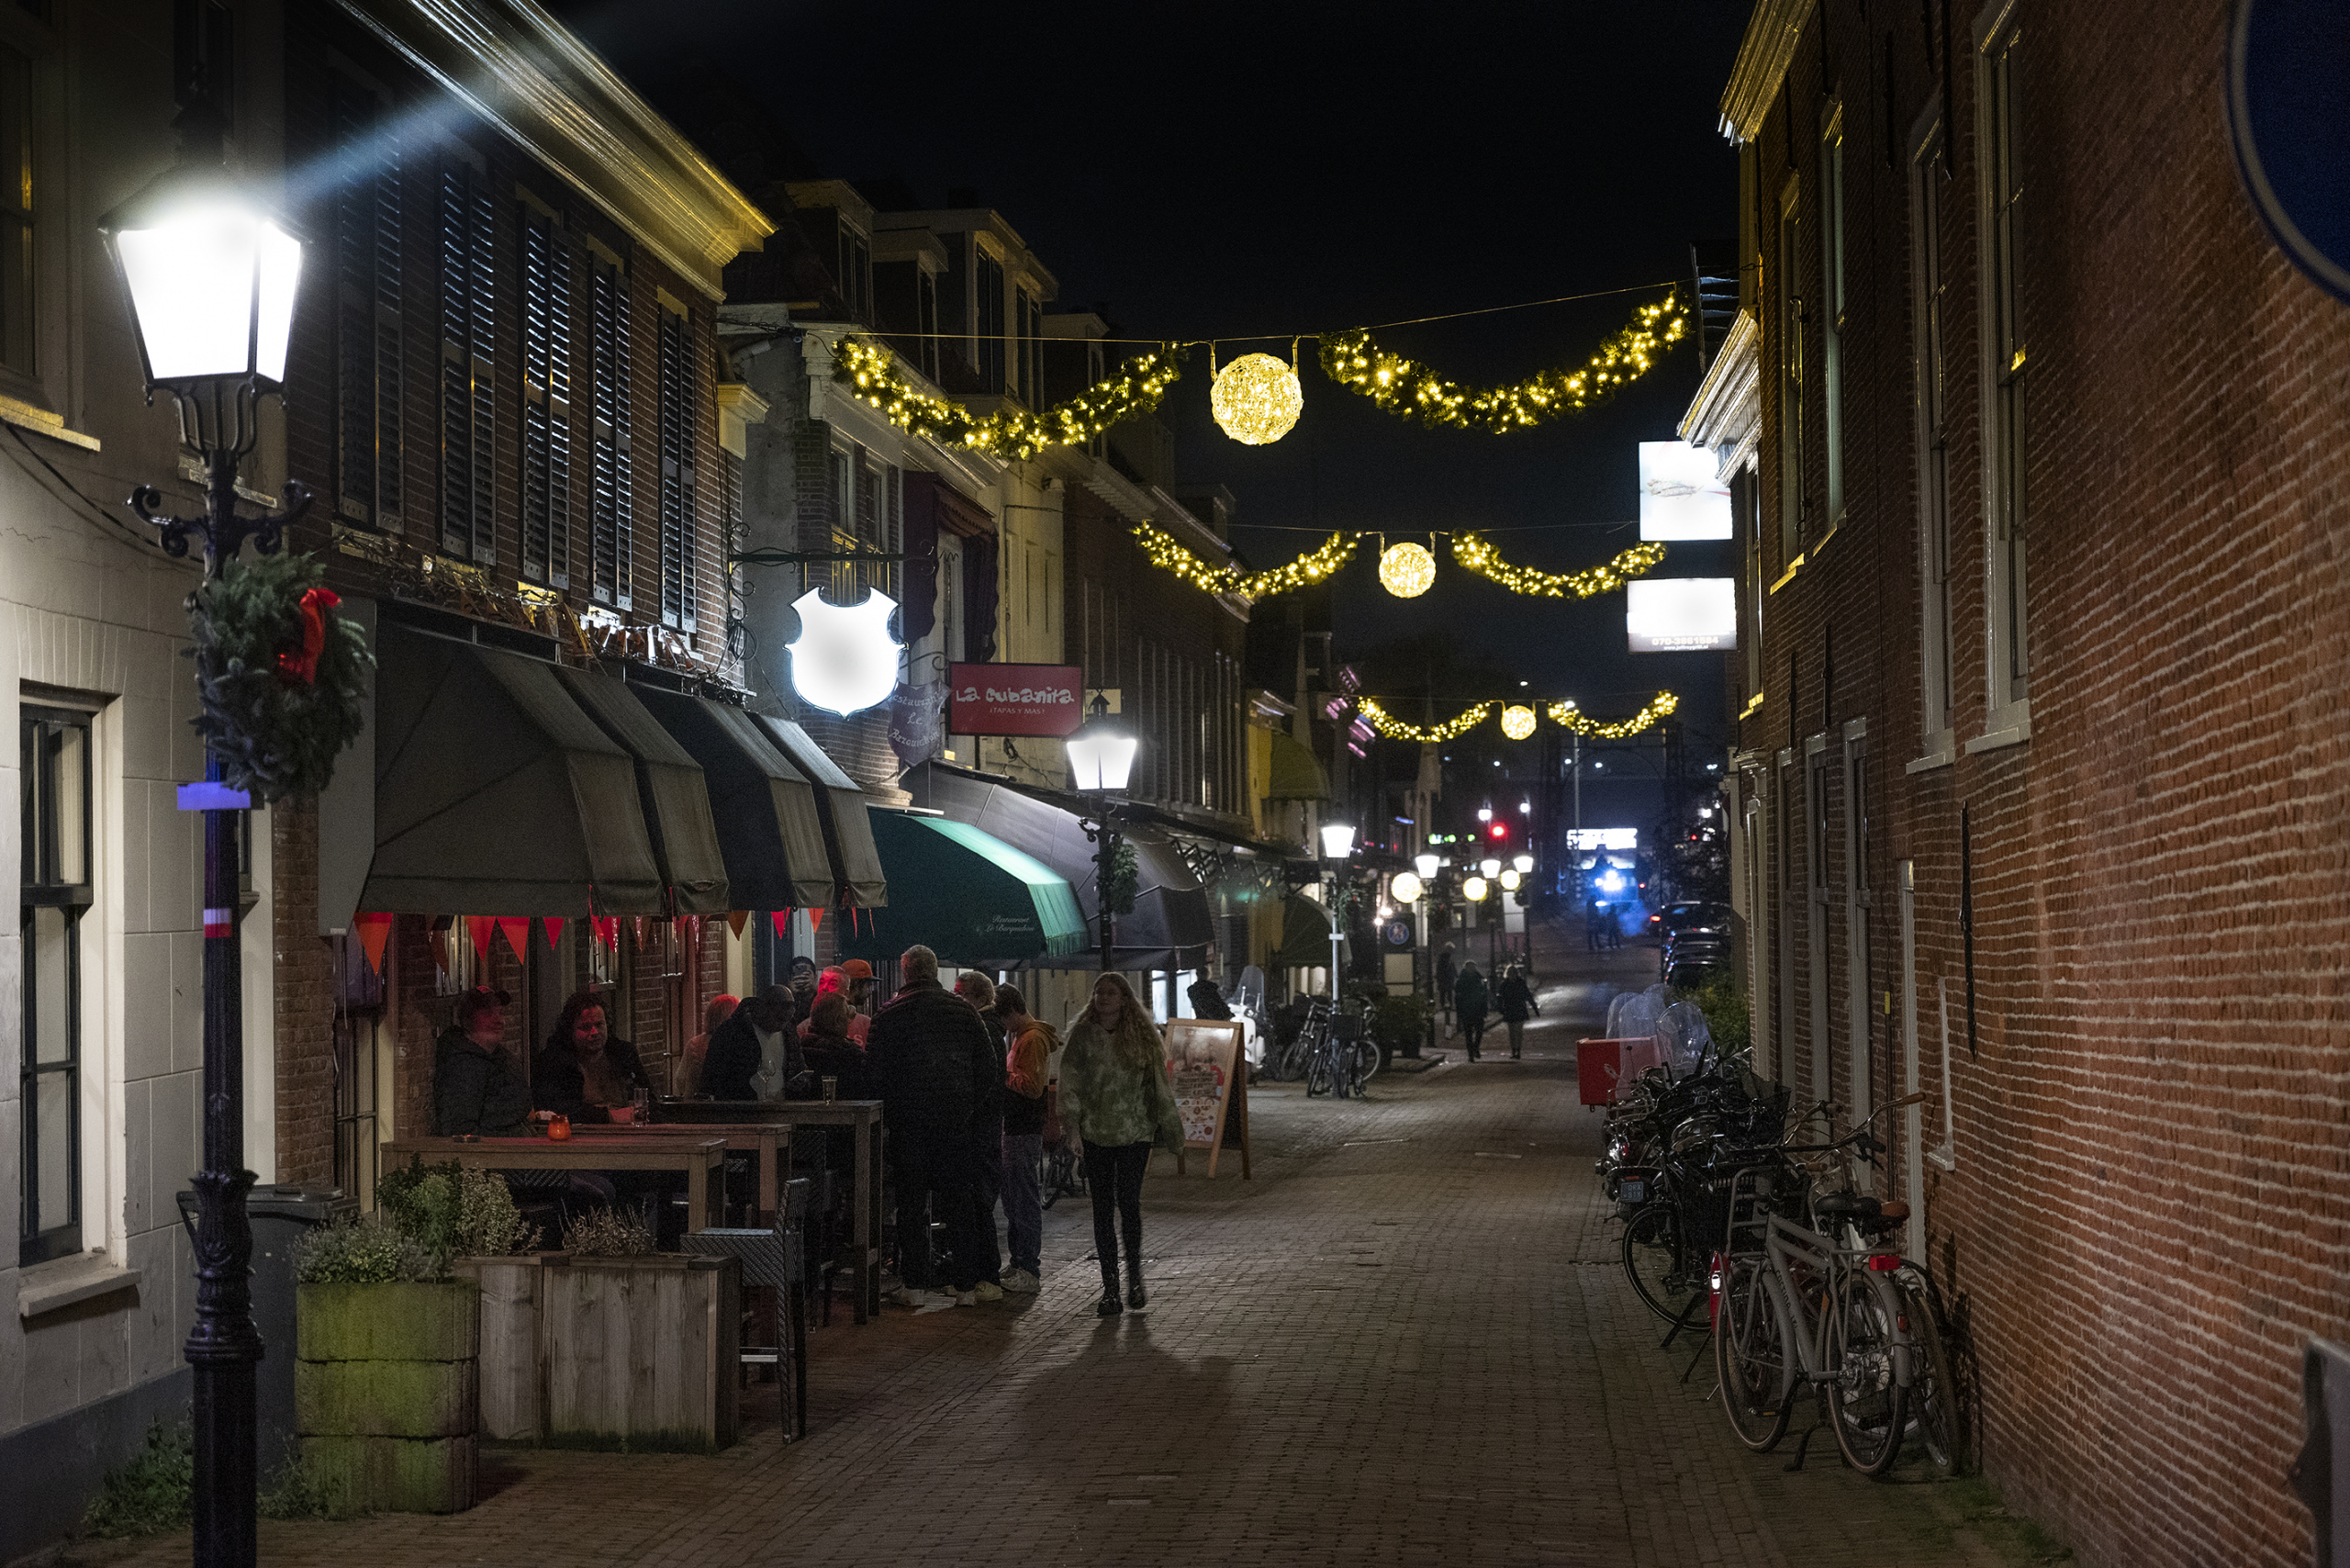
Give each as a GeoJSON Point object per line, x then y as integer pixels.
{"type": "Point", "coordinates": [2040, 777]}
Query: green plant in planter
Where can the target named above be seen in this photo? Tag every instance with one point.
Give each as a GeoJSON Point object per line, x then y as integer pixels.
{"type": "Point", "coordinates": [452, 1211]}
{"type": "Point", "coordinates": [607, 1233]}
{"type": "Point", "coordinates": [368, 1251]}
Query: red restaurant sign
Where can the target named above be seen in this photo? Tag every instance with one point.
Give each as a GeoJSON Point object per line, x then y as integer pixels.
{"type": "Point", "coordinates": [1015, 700]}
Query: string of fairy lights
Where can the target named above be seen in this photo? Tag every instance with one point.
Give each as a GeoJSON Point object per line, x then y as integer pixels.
{"type": "Point", "coordinates": [1257, 398]}
{"type": "Point", "coordinates": [1405, 570]}
{"type": "Point", "coordinates": [1518, 719]}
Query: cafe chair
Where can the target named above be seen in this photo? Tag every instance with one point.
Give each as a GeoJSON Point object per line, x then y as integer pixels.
{"type": "Point", "coordinates": [774, 1260]}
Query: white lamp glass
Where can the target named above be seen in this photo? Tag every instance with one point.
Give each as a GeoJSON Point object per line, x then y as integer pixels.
{"type": "Point", "coordinates": [1484, 813]}
{"type": "Point", "coordinates": [1510, 878]}
{"type": "Point", "coordinates": [1525, 864]}
{"type": "Point", "coordinates": [1100, 754]}
{"type": "Point", "coordinates": [1406, 888]}
{"type": "Point", "coordinates": [1475, 889]}
{"type": "Point", "coordinates": [1426, 865]}
{"type": "Point", "coordinates": [212, 282]}
{"type": "Point", "coordinates": [844, 660]}
{"type": "Point", "coordinates": [1490, 866]}
{"type": "Point", "coordinates": [1337, 841]}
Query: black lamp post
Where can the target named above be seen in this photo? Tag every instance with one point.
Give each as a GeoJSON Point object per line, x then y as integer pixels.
{"type": "Point", "coordinates": [1101, 759]}
{"type": "Point", "coordinates": [211, 276]}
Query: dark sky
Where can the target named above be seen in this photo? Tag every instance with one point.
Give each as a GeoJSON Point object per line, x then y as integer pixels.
{"type": "Point", "coordinates": [1287, 167]}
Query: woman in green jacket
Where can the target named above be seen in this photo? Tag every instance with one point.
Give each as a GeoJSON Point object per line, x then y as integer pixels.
{"type": "Point", "coordinates": [1115, 1092]}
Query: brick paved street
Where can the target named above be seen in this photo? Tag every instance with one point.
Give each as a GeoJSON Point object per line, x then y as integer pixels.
{"type": "Point", "coordinates": [1407, 1340]}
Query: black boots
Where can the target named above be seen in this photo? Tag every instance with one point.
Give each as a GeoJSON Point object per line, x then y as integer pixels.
{"type": "Point", "coordinates": [1133, 1283]}
{"type": "Point", "coordinates": [1110, 1306]}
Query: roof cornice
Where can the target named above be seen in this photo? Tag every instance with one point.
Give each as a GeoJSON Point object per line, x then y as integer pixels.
{"type": "Point", "coordinates": [1726, 413]}
{"type": "Point", "coordinates": [524, 73]}
{"type": "Point", "coordinates": [1771, 39]}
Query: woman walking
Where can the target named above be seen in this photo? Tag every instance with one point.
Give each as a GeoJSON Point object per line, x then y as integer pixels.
{"type": "Point", "coordinates": [1468, 998]}
{"type": "Point", "coordinates": [1114, 1095]}
{"type": "Point", "coordinates": [1517, 1006]}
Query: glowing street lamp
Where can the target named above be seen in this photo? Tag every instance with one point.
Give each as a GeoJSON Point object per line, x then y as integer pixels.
{"type": "Point", "coordinates": [1425, 865]}
{"type": "Point", "coordinates": [1510, 879]}
{"type": "Point", "coordinates": [1475, 889]}
{"type": "Point", "coordinates": [1337, 841]}
{"type": "Point", "coordinates": [1489, 866]}
{"type": "Point", "coordinates": [1101, 759]}
{"type": "Point", "coordinates": [1525, 864]}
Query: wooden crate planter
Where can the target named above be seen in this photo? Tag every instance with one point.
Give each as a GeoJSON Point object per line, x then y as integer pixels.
{"type": "Point", "coordinates": [640, 1354]}
{"type": "Point", "coordinates": [513, 1377]}
{"type": "Point", "coordinates": [386, 1393]}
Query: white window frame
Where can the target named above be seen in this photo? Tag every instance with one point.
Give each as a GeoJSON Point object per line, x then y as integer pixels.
{"type": "Point", "coordinates": [1788, 368]}
{"type": "Point", "coordinates": [2006, 694]}
{"type": "Point", "coordinates": [1832, 302]}
{"type": "Point", "coordinates": [1929, 326]}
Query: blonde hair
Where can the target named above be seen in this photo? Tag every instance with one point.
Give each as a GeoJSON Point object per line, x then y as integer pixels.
{"type": "Point", "coordinates": [1136, 1039]}
{"type": "Point", "coordinates": [976, 989]}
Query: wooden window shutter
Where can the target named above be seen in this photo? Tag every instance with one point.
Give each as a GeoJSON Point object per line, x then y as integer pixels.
{"type": "Point", "coordinates": [468, 365]}
{"type": "Point", "coordinates": [611, 509]}
{"type": "Point", "coordinates": [547, 269]}
{"type": "Point", "coordinates": [679, 414]}
{"type": "Point", "coordinates": [369, 341]}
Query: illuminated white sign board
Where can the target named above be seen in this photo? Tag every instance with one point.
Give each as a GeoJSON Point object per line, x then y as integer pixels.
{"type": "Point", "coordinates": [845, 660]}
{"type": "Point", "coordinates": [1605, 838]}
{"type": "Point", "coordinates": [1681, 615]}
{"type": "Point", "coordinates": [1680, 496]}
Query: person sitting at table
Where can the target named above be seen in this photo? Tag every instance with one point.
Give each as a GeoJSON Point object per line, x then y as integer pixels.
{"type": "Point", "coordinates": [714, 1013]}
{"type": "Point", "coordinates": [477, 1086]}
{"type": "Point", "coordinates": [754, 1055]}
{"type": "Point", "coordinates": [583, 1071]}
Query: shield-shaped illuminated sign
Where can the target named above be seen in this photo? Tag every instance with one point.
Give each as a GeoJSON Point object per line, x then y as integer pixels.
{"type": "Point", "coordinates": [845, 659]}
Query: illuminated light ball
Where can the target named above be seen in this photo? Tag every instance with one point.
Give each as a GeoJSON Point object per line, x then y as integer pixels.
{"type": "Point", "coordinates": [1406, 570]}
{"type": "Point", "coordinates": [1475, 889]}
{"type": "Point", "coordinates": [1256, 398]}
{"type": "Point", "coordinates": [1406, 888]}
{"type": "Point", "coordinates": [1510, 878]}
{"type": "Point", "coordinates": [1517, 723]}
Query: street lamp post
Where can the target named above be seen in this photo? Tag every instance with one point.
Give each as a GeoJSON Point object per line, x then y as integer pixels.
{"type": "Point", "coordinates": [1100, 758]}
{"type": "Point", "coordinates": [1337, 844]}
{"type": "Point", "coordinates": [211, 276]}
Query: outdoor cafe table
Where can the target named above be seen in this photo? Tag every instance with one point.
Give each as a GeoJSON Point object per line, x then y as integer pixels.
{"type": "Point", "coordinates": [865, 1176]}
{"type": "Point", "coordinates": [699, 1155]}
{"type": "Point", "coordinates": [771, 1141]}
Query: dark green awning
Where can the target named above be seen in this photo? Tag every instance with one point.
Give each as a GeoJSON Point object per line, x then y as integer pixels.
{"type": "Point", "coordinates": [670, 788]}
{"type": "Point", "coordinates": [967, 895]}
{"type": "Point", "coordinates": [842, 802]}
{"type": "Point", "coordinates": [768, 828]}
{"type": "Point", "coordinates": [495, 794]}
{"type": "Point", "coordinates": [1305, 934]}
{"type": "Point", "coordinates": [1298, 773]}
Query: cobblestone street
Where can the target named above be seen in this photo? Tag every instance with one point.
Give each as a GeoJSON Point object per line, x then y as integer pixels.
{"type": "Point", "coordinates": [1406, 1341]}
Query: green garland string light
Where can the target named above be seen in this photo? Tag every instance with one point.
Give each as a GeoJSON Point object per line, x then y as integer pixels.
{"type": "Point", "coordinates": [871, 373]}
{"type": "Point", "coordinates": [1410, 390]}
{"type": "Point", "coordinates": [281, 678]}
{"type": "Point", "coordinates": [1472, 553]}
{"type": "Point", "coordinates": [1565, 714]}
{"type": "Point", "coordinates": [1163, 551]}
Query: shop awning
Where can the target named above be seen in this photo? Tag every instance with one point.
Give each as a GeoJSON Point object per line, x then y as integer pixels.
{"type": "Point", "coordinates": [967, 895]}
{"type": "Point", "coordinates": [1305, 934]}
{"type": "Point", "coordinates": [670, 788]}
{"type": "Point", "coordinates": [856, 867]}
{"type": "Point", "coordinates": [1170, 921]}
{"type": "Point", "coordinates": [495, 794]}
{"type": "Point", "coordinates": [769, 831]}
{"type": "Point", "coordinates": [1298, 773]}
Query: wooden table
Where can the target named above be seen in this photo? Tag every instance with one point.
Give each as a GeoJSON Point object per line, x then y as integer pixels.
{"type": "Point", "coordinates": [771, 1141]}
{"type": "Point", "coordinates": [865, 1176]}
{"type": "Point", "coordinates": [699, 1155]}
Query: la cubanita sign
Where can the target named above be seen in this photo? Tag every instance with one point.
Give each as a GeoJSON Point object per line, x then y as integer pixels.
{"type": "Point", "coordinates": [1015, 700]}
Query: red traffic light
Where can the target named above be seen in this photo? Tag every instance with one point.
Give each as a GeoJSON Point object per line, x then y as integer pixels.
{"type": "Point", "coordinates": [1501, 829]}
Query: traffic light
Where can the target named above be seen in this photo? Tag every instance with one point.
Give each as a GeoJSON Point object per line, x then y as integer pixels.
{"type": "Point", "coordinates": [1500, 830]}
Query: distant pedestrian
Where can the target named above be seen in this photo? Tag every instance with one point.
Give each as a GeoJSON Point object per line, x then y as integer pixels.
{"type": "Point", "coordinates": [986, 1127]}
{"type": "Point", "coordinates": [936, 1066]}
{"type": "Point", "coordinates": [1516, 1004]}
{"type": "Point", "coordinates": [1447, 974]}
{"type": "Point", "coordinates": [1115, 1096]}
{"type": "Point", "coordinates": [1207, 1000]}
{"type": "Point", "coordinates": [1027, 1063]}
{"type": "Point", "coordinates": [1469, 995]}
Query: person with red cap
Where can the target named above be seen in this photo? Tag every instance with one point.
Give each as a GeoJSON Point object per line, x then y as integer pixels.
{"type": "Point", "coordinates": [853, 981]}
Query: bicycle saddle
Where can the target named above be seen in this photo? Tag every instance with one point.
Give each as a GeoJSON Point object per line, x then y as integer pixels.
{"type": "Point", "coordinates": [1858, 1206]}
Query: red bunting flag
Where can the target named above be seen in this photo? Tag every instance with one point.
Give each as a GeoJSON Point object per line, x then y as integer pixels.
{"type": "Point", "coordinates": [373, 931]}
{"type": "Point", "coordinates": [553, 926]}
{"type": "Point", "coordinates": [517, 929]}
{"type": "Point", "coordinates": [481, 928]}
{"type": "Point", "coordinates": [608, 930]}
{"type": "Point", "coordinates": [781, 919]}
{"type": "Point", "coordinates": [815, 921]}
{"type": "Point", "coordinates": [735, 920]}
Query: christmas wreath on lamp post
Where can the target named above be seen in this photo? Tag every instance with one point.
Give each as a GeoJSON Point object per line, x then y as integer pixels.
{"type": "Point", "coordinates": [281, 677]}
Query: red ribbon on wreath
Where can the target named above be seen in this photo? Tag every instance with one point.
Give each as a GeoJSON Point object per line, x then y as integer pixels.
{"type": "Point", "coordinates": [300, 666]}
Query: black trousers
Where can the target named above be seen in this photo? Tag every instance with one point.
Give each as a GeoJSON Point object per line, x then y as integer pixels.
{"type": "Point", "coordinates": [933, 1173]}
{"type": "Point", "coordinates": [1113, 1175]}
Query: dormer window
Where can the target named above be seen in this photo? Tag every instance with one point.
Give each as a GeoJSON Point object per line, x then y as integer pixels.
{"type": "Point", "coordinates": [856, 273]}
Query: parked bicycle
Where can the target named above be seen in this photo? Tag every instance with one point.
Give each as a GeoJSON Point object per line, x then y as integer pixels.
{"type": "Point", "coordinates": [1345, 1058]}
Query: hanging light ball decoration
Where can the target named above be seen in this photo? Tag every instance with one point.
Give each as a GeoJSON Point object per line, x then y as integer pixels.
{"type": "Point", "coordinates": [1256, 398]}
{"type": "Point", "coordinates": [1510, 878]}
{"type": "Point", "coordinates": [1406, 570]}
{"type": "Point", "coordinates": [1407, 887]}
{"type": "Point", "coordinates": [1517, 723]}
{"type": "Point", "coordinates": [1475, 889]}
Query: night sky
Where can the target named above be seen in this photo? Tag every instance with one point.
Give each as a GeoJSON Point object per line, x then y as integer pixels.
{"type": "Point", "coordinates": [1284, 168]}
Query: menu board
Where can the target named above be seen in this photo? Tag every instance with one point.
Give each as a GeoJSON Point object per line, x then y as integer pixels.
{"type": "Point", "coordinates": [1211, 1081]}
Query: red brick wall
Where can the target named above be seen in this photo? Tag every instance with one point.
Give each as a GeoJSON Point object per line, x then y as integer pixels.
{"type": "Point", "coordinates": [2147, 1217]}
{"type": "Point", "coordinates": [303, 988]}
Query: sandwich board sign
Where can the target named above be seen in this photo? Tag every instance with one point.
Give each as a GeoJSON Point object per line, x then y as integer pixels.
{"type": "Point", "coordinates": [1211, 1083]}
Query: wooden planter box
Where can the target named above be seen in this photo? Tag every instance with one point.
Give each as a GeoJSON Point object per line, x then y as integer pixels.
{"type": "Point", "coordinates": [633, 1354]}
{"type": "Point", "coordinates": [385, 1392]}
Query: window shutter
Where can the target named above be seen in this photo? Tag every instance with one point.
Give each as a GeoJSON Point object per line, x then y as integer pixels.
{"type": "Point", "coordinates": [611, 520]}
{"type": "Point", "coordinates": [468, 361]}
{"type": "Point", "coordinates": [368, 340]}
{"type": "Point", "coordinates": [679, 414]}
{"type": "Point", "coordinates": [547, 400]}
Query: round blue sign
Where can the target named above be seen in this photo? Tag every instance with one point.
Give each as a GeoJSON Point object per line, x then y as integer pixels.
{"type": "Point", "coordinates": [1398, 933]}
{"type": "Point", "coordinates": [2289, 115]}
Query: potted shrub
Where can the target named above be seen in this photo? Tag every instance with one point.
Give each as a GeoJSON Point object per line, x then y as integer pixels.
{"type": "Point", "coordinates": [640, 1348]}
{"type": "Point", "coordinates": [386, 1342]}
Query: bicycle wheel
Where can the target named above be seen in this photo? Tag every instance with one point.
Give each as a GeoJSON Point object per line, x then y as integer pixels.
{"type": "Point", "coordinates": [1866, 1399]}
{"type": "Point", "coordinates": [1319, 1076]}
{"type": "Point", "coordinates": [1936, 1409]}
{"type": "Point", "coordinates": [1652, 1262]}
{"type": "Point", "coordinates": [1750, 1356]}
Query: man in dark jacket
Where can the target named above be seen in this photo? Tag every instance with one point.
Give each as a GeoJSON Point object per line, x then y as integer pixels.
{"type": "Point", "coordinates": [1447, 973]}
{"type": "Point", "coordinates": [1468, 998]}
{"type": "Point", "coordinates": [476, 1086]}
{"type": "Point", "coordinates": [583, 1071]}
{"type": "Point", "coordinates": [737, 1065]}
{"type": "Point", "coordinates": [936, 1068]}
{"type": "Point", "coordinates": [1516, 999]}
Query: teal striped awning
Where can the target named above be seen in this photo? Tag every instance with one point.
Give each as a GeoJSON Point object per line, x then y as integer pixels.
{"type": "Point", "coordinates": [965, 894]}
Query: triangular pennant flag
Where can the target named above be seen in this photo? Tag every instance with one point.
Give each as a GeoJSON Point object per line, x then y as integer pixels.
{"type": "Point", "coordinates": [373, 931]}
{"type": "Point", "coordinates": [608, 930]}
{"type": "Point", "coordinates": [553, 926]}
{"type": "Point", "coordinates": [815, 921]}
{"type": "Point", "coordinates": [480, 927]}
{"type": "Point", "coordinates": [518, 935]}
{"type": "Point", "coordinates": [735, 920]}
{"type": "Point", "coordinates": [781, 919]}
